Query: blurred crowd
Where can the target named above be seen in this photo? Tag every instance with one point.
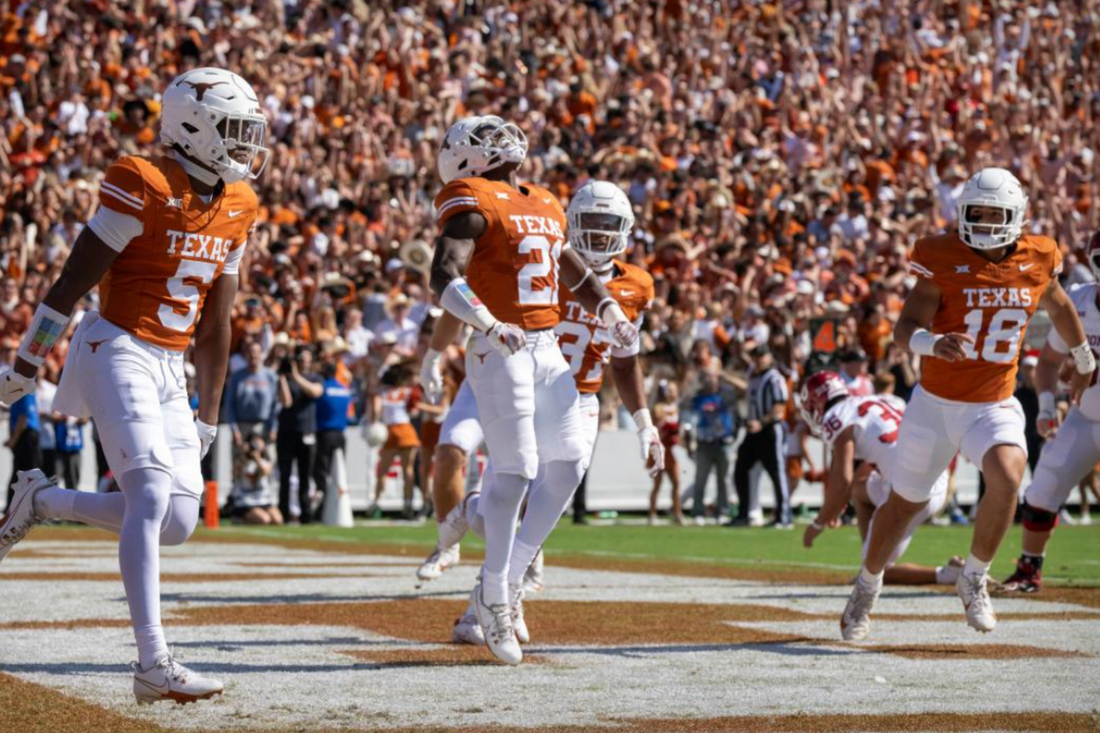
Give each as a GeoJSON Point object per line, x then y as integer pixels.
{"type": "Point", "coordinates": [782, 157]}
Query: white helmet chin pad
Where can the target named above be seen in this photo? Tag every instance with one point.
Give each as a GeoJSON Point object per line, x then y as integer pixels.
{"type": "Point", "coordinates": [600, 221]}
{"type": "Point", "coordinates": [214, 117]}
{"type": "Point", "coordinates": [475, 145]}
{"type": "Point", "coordinates": [994, 188]}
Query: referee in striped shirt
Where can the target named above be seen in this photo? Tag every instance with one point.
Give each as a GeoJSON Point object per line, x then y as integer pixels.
{"type": "Point", "coordinates": [765, 441]}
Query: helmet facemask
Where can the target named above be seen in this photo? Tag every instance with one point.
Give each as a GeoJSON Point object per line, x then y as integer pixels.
{"type": "Point", "coordinates": [981, 228]}
{"type": "Point", "coordinates": [598, 236]}
{"type": "Point", "coordinates": [244, 154]}
{"type": "Point", "coordinates": [504, 141]}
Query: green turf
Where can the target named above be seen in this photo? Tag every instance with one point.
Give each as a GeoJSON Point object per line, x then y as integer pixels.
{"type": "Point", "coordinates": [1073, 556]}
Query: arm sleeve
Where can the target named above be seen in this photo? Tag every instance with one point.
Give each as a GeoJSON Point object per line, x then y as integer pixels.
{"type": "Point", "coordinates": [233, 260]}
{"type": "Point", "coordinates": [457, 197]}
{"type": "Point", "coordinates": [115, 228]}
{"type": "Point", "coordinates": [123, 188]}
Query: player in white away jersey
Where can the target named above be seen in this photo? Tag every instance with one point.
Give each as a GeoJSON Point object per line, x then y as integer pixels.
{"type": "Point", "coordinates": [865, 430]}
{"type": "Point", "coordinates": [1072, 448]}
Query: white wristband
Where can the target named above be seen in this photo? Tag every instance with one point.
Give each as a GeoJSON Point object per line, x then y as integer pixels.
{"type": "Point", "coordinates": [45, 330]}
{"type": "Point", "coordinates": [1082, 356]}
{"type": "Point", "coordinates": [1046, 402]}
{"type": "Point", "coordinates": [463, 302]}
{"type": "Point", "coordinates": [610, 312]}
{"type": "Point", "coordinates": [432, 356]}
{"type": "Point", "coordinates": [923, 342]}
{"type": "Point", "coordinates": [643, 419]}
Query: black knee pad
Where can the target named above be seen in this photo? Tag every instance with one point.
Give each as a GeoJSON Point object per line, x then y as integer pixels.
{"type": "Point", "coordinates": [1038, 520]}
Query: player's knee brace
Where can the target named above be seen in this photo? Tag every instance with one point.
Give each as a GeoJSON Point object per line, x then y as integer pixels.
{"type": "Point", "coordinates": [1038, 520]}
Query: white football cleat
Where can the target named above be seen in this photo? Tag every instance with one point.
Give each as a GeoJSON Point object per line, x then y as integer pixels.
{"type": "Point", "coordinates": [533, 578]}
{"type": "Point", "coordinates": [519, 623]}
{"type": "Point", "coordinates": [467, 630]}
{"type": "Point", "coordinates": [856, 620]}
{"type": "Point", "coordinates": [974, 594]}
{"type": "Point", "coordinates": [20, 517]}
{"type": "Point", "coordinates": [170, 680]}
{"type": "Point", "coordinates": [454, 527]}
{"type": "Point", "coordinates": [439, 562]}
{"type": "Point", "coordinates": [496, 624]}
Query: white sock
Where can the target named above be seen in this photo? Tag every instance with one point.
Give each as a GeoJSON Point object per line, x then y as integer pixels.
{"type": "Point", "coordinates": [147, 492]}
{"type": "Point", "coordinates": [869, 578]}
{"type": "Point", "coordinates": [523, 555]}
{"type": "Point", "coordinates": [500, 507]}
{"type": "Point", "coordinates": [974, 566]}
{"type": "Point", "coordinates": [55, 503]}
{"type": "Point", "coordinates": [474, 520]}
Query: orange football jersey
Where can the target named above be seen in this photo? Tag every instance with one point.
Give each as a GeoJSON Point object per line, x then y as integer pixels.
{"type": "Point", "coordinates": [514, 267]}
{"type": "Point", "coordinates": [992, 302]}
{"type": "Point", "coordinates": [156, 287]}
{"type": "Point", "coordinates": [583, 340]}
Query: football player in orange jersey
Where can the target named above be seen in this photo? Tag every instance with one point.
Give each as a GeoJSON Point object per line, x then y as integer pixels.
{"type": "Point", "coordinates": [509, 241]}
{"type": "Point", "coordinates": [976, 290]}
{"type": "Point", "coordinates": [600, 220]}
{"type": "Point", "coordinates": [166, 240]}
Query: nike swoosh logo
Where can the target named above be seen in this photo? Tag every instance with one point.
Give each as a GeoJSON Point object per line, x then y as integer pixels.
{"type": "Point", "coordinates": [1025, 268]}
{"type": "Point", "coordinates": [159, 688]}
{"type": "Point", "coordinates": [234, 214]}
{"type": "Point", "coordinates": [546, 201]}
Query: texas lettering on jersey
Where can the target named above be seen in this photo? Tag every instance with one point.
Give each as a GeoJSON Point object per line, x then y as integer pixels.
{"type": "Point", "coordinates": [514, 266]}
{"type": "Point", "coordinates": [156, 287]}
{"type": "Point", "coordinates": [990, 302]}
{"type": "Point", "coordinates": [583, 339]}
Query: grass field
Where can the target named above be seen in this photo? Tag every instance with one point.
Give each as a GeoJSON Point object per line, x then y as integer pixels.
{"type": "Point", "coordinates": [639, 630]}
{"type": "Point", "coordinates": [1073, 556]}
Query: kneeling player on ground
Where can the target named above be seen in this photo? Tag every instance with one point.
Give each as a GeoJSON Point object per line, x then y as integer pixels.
{"type": "Point", "coordinates": [865, 429]}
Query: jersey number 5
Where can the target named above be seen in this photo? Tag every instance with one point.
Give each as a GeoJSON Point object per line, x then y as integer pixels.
{"type": "Point", "coordinates": [1004, 328]}
{"type": "Point", "coordinates": [182, 288]}
{"type": "Point", "coordinates": [547, 265]}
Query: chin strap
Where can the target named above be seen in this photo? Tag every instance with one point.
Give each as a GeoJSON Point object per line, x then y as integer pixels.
{"type": "Point", "coordinates": [197, 171]}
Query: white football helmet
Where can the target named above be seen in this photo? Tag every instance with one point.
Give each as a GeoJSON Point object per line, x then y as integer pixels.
{"type": "Point", "coordinates": [214, 116]}
{"type": "Point", "coordinates": [476, 144]}
{"type": "Point", "coordinates": [994, 188]}
{"type": "Point", "coordinates": [600, 220]}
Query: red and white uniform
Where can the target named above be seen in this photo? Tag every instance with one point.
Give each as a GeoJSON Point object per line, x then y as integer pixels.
{"type": "Point", "coordinates": [876, 422]}
{"type": "Point", "coordinates": [968, 405]}
{"type": "Point", "coordinates": [1075, 450]}
{"type": "Point", "coordinates": [125, 366]}
{"type": "Point", "coordinates": [528, 402]}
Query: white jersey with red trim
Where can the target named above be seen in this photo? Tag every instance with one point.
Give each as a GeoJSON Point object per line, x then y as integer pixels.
{"type": "Point", "coordinates": [1084, 302]}
{"type": "Point", "coordinates": [876, 420]}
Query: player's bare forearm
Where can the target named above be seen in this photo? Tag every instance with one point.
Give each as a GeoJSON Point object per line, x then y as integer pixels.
{"type": "Point", "coordinates": [629, 381]}
{"type": "Point", "coordinates": [576, 276]}
{"type": "Point", "coordinates": [1046, 371]}
{"type": "Point", "coordinates": [212, 340]}
{"type": "Point", "coordinates": [87, 264]}
{"type": "Point", "coordinates": [454, 247]}
{"type": "Point", "coordinates": [445, 331]}
{"type": "Point", "coordinates": [1063, 315]}
{"type": "Point", "coordinates": [919, 310]}
{"type": "Point", "coordinates": [838, 486]}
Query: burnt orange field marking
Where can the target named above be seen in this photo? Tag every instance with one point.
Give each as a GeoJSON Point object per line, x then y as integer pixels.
{"type": "Point", "coordinates": [454, 655]}
{"type": "Point", "coordinates": [180, 577]}
{"type": "Point", "coordinates": [30, 708]}
{"type": "Point", "coordinates": [968, 652]}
